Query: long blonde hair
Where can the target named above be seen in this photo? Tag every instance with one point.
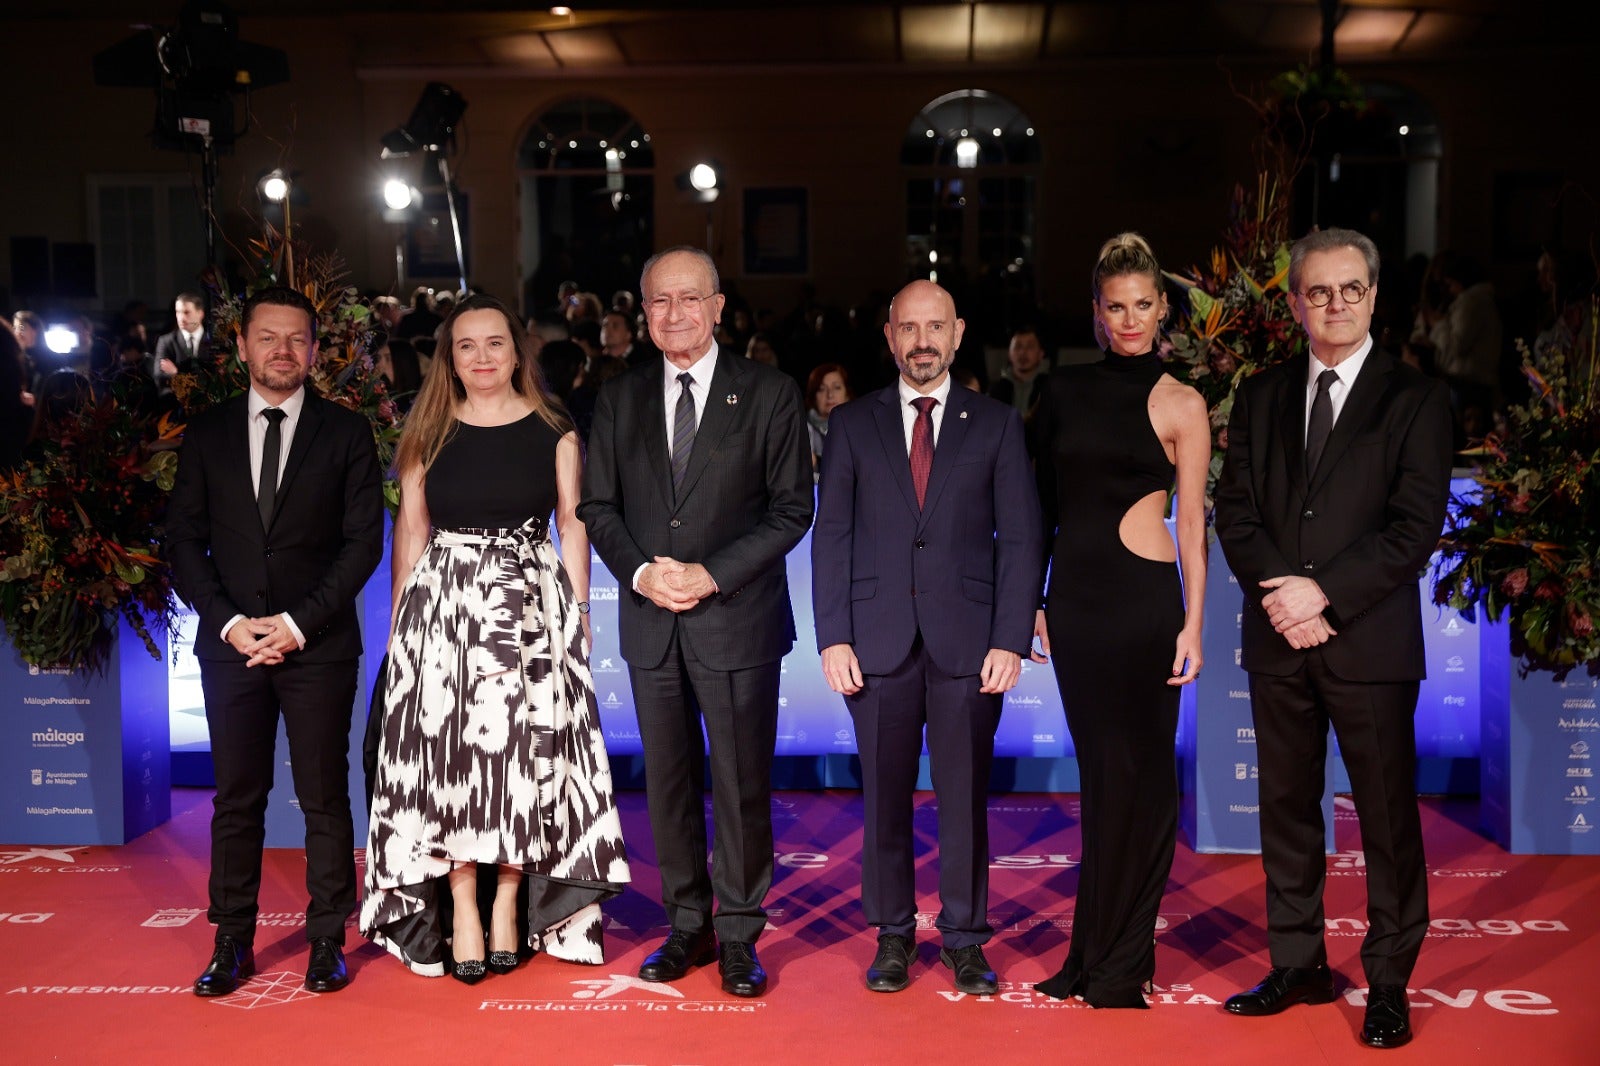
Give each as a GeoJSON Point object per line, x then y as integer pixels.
{"type": "Point", "coordinates": [432, 421]}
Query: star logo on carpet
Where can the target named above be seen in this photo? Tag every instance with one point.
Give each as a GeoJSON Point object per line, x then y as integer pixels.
{"type": "Point", "coordinates": [13, 858]}
{"type": "Point", "coordinates": [619, 983]}
{"type": "Point", "coordinates": [268, 990]}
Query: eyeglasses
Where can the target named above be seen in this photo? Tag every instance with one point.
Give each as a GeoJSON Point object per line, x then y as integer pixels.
{"type": "Point", "coordinates": [689, 304]}
{"type": "Point", "coordinates": [1351, 292]}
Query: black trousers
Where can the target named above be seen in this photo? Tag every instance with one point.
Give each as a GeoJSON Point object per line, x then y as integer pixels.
{"type": "Point", "coordinates": [740, 712]}
{"type": "Point", "coordinates": [1374, 724]}
{"type": "Point", "coordinates": [890, 714]}
{"type": "Point", "coordinates": [242, 709]}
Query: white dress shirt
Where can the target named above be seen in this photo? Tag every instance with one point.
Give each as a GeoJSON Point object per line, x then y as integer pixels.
{"type": "Point", "coordinates": [672, 388]}
{"type": "Point", "coordinates": [1339, 390]}
{"type": "Point", "coordinates": [908, 414]}
{"type": "Point", "coordinates": [291, 408]}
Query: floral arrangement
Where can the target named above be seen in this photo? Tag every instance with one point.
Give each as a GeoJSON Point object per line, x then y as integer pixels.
{"type": "Point", "coordinates": [1235, 319]}
{"type": "Point", "coordinates": [81, 520]}
{"type": "Point", "coordinates": [344, 371]}
{"type": "Point", "coordinates": [1527, 540]}
{"type": "Point", "coordinates": [80, 527]}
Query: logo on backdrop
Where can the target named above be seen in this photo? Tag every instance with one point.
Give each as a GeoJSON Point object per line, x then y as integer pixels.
{"type": "Point", "coordinates": [1574, 724]}
{"type": "Point", "coordinates": [1453, 628]}
{"type": "Point", "coordinates": [1580, 795]}
{"type": "Point", "coordinates": [1579, 824]}
{"type": "Point", "coordinates": [56, 738]}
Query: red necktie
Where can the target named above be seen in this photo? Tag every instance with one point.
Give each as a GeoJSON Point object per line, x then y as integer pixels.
{"type": "Point", "coordinates": [922, 445]}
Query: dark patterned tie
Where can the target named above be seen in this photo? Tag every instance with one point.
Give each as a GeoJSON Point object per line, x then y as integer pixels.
{"type": "Point", "coordinates": [922, 445]}
{"type": "Point", "coordinates": [682, 430]}
{"type": "Point", "coordinates": [1320, 424]}
{"type": "Point", "coordinates": [267, 483]}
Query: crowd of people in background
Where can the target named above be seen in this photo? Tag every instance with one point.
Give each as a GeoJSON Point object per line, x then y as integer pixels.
{"type": "Point", "coordinates": [1452, 322]}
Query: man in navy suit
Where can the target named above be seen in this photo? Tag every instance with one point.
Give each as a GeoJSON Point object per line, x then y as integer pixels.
{"type": "Point", "coordinates": [925, 563]}
{"type": "Point", "coordinates": [274, 525]}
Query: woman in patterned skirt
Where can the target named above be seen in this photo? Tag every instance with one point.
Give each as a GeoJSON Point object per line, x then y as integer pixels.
{"type": "Point", "coordinates": [491, 750]}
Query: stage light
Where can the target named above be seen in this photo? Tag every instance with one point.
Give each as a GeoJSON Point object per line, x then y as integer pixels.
{"type": "Point", "coordinates": [933, 257]}
{"type": "Point", "coordinates": [966, 153]}
{"type": "Point", "coordinates": [703, 181]}
{"type": "Point", "coordinates": [432, 125]}
{"type": "Point", "coordinates": [62, 340]}
{"type": "Point", "coordinates": [1404, 130]}
{"type": "Point", "coordinates": [274, 186]}
{"type": "Point", "coordinates": [397, 194]}
{"type": "Point", "coordinates": [560, 11]}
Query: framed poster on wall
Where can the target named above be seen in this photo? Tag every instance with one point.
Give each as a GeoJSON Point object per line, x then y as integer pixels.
{"type": "Point", "coordinates": [777, 232]}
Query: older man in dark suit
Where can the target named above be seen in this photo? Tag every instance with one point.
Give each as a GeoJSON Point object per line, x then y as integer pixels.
{"type": "Point", "coordinates": [698, 484]}
{"type": "Point", "coordinates": [925, 577]}
{"type": "Point", "coordinates": [274, 525]}
{"type": "Point", "coordinates": [1329, 506]}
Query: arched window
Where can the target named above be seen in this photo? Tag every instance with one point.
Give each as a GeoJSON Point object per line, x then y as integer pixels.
{"type": "Point", "coordinates": [586, 200]}
{"type": "Point", "coordinates": [971, 160]}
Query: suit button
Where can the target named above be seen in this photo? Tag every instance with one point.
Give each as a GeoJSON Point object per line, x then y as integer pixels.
{"type": "Point", "coordinates": [1308, 565]}
{"type": "Point", "coordinates": [1308, 514]}
{"type": "Point", "coordinates": [261, 594]}
{"type": "Point", "coordinates": [269, 553]}
{"type": "Point", "coordinates": [674, 523]}
{"type": "Point", "coordinates": [920, 544]}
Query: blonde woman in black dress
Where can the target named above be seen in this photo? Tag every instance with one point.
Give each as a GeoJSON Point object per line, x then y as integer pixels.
{"type": "Point", "coordinates": [1123, 612]}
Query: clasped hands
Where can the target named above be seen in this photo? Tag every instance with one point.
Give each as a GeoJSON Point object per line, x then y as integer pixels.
{"type": "Point", "coordinates": [675, 586]}
{"type": "Point", "coordinates": [1000, 672]}
{"type": "Point", "coordinates": [1294, 607]}
{"type": "Point", "coordinates": [262, 640]}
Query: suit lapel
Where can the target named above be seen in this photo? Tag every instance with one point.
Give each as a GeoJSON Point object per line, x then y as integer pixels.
{"type": "Point", "coordinates": [652, 412]}
{"type": "Point", "coordinates": [305, 433]}
{"type": "Point", "coordinates": [1365, 392]}
{"type": "Point", "coordinates": [952, 434]}
{"type": "Point", "coordinates": [236, 445]}
{"type": "Point", "coordinates": [892, 432]}
{"type": "Point", "coordinates": [1292, 422]}
{"type": "Point", "coordinates": [722, 399]}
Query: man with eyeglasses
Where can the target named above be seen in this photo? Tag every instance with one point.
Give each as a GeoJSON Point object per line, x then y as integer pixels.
{"type": "Point", "coordinates": [698, 484]}
{"type": "Point", "coordinates": [1329, 505]}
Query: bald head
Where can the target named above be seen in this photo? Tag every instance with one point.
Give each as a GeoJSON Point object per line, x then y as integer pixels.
{"type": "Point", "coordinates": [923, 333]}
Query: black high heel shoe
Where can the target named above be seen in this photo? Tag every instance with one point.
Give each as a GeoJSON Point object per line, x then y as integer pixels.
{"type": "Point", "coordinates": [468, 971]}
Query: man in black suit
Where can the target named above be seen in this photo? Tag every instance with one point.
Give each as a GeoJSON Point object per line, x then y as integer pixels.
{"type": "Point", "coordinates": [177, 352]}
{"type": "Point", "coordinates": [274, 525]}
{"type": "Point", "coordinates": [1329, 506]}
{"type": "Point", "coordinates": [1021, 383]}
{"type": "Point", "coordinates": [698, 484]}
{"type": "Point", "coordinates": [925, 576]}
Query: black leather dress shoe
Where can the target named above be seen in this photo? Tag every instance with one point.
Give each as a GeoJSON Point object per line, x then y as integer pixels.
{"type": "Point", "coordinates": [891, 968]}
{"type": "Point", "coordinates": [742, 974]}
{"type": "Point", "coordinates": [974, 975]}
{"type": "Point", "coordinates": [231, 962]}
{"type": "Point", "coordinates": [326, 971]}
{"type": "Point", "coordinates": [1282, 988]}
{"type": "Point", "coordinates": [677, 953]}
{"type": "Point", "coordinates": [1388, 1021]}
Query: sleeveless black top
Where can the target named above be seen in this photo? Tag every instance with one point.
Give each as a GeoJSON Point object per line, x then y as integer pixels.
{"type": "Point", "coordinates": [494, 477]}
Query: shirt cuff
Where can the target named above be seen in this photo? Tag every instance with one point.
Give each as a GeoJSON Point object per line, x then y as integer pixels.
{"type": "Point", "coordinates": [299, 637]}
{"type": "Point", "coordinates": [229, 624]}
{"type": "Point", "coordinates": [636, 574]}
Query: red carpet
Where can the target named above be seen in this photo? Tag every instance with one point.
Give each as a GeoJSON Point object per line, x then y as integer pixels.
{"type": "Point", "coordinates": [98, 946]}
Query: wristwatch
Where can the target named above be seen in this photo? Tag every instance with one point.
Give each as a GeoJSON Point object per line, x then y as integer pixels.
{"type": "Point", "coordinates": [583, 606]}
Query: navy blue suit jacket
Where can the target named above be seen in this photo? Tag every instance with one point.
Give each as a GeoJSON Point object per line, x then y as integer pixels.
{"type": "Point", "coordinates": [963, 570]}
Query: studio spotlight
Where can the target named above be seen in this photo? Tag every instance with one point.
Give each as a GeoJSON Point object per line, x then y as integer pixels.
{"type": "Point", "coordinates": [432, 126]}
{"type": "Point", "coordinates": [397, 194]}
{"type": "Point", "coordinates": [62, 340]}
{"type": "Point", "coordinates": [966, 153]}
{"type": "Point", "coordinates": [703, 181]}
{"type": "Point", "coordinates": [273, 186]}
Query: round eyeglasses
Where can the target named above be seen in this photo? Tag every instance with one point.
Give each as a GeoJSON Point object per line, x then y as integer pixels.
{"type": "Point", "coordinates": [1351, 292]}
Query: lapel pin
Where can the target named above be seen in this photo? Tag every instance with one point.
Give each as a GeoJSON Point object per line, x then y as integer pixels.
{"type": "Point", "coordinates": [733, 399]}
{"type": "Point", "coordinates": [963, 414]}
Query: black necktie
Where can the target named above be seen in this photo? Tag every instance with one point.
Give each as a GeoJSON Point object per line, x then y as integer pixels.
{"type": "Point", "coordinates": [1321, 421]}
{"type": "Point", "coordinates": [682, 430]}
{"type": "Point", "coordinates": [267, 484]}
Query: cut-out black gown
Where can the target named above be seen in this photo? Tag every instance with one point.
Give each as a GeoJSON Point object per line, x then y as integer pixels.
{"type": "Point", "coordinates": [1114, 618]}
